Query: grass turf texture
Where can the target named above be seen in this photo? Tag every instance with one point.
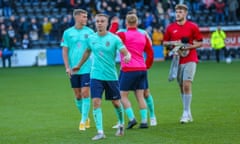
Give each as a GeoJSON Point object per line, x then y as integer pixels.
{"type": "Point", "coordinates": [37, 106]}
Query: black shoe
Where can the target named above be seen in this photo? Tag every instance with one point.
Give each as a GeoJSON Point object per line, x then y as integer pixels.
{"type": "Point", "coordinates": [143, 125]}
{"type": "Point", "coordinates": [131, 124]}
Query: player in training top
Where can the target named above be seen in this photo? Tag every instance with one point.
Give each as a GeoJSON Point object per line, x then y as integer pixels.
{"type": "Point", "coordinates": [147, 96]}
{"type": "Point", "coordinates": [133, 75]}
{"type": "Point", "coordinates": [184, 30]}
{"type": "Point", "coordinates": [104, 46]}
{"type": "Point", "coordinates": [74, 43]}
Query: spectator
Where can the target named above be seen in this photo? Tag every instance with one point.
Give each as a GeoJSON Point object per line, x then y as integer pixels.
{"type": "Point", "coordinates": [25, 42]}
{"type": "Point", "coordinates": [7, 51]}
{"type": "Point", "coordinates": [233, 5]}
{"type": "Point", "coordinates": [46, 28]}
{"type": "Point", "coordinates": [64, 24]}
{"type": "Point", "coordinates": [148, 19]}
{"type": "Point", "coordinates": [23, 26]}
{"type": "Point", "coordinates": [11, 32]}
{"type": "Point", "coordinates": [157, 37]}
{"type": "Point", "coordinates": [34, 30]}
{"type": "Point", "coordinates": [219, 5]}
{"type": "Point", "coordinates": [13, 22]}
{"type": "Point", "coordinates": [54, 34]}
{"type": "Point", "coordinates": [7, 9]}
{"type": "Point", "coordinates": [123, 10]}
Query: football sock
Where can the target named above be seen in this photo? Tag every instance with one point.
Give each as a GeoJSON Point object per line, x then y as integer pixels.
{"type": "Point", "coordinates": [79, 104]}
{"type": "Point", "coordinates": [85, 109]}
{"type": "Point", "coordinates": [182, 98]}
{"type": "Point", "coordinates": [187, 103]}
{"type": "Point", "coordinates": [97, 115]}
{"type": "Point", "coordinates": [143, 113]}
{"type": "Point", "coordinates": [130, 113]}
{"type": "Point", "coordinates": [150, 104]}
{"type": "Point", "coordinates": [120, 114]}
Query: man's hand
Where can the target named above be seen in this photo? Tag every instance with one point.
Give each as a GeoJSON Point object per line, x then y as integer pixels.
{"type": "Point", "coordinates": [76, 68]}
{"type": "Point", "coordinates": [68, 72]}
{"type": "Point", "coordinates": [127, 58]}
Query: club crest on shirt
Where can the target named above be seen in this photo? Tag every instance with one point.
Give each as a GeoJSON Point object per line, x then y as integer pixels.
{"type": "Point", "coordinates": [107, 44]}
{"type": "Point", "coordinates": [86, 36]}
{"type": "Point", "coordinates": [78, 44]}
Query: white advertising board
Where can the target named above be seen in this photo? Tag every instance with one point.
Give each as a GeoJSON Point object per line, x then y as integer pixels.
{"type": "Point", "coordinates": [23, 58]}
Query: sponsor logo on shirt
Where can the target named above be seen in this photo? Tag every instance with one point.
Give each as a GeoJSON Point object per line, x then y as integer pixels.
{"type": "Point", "coordinates": [107, 43]}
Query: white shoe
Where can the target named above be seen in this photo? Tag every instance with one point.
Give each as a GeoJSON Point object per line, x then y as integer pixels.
{"type": "Point", "coordinates": [120, 131]}
{"type": "Point", "coordinates": [153, 121]}
{"type": "Point", "coordinates": [116, 126]}
{"type": "Point", "coordinates": [186, 119]}
{"type": "Point", "coordinates": [99, 136]}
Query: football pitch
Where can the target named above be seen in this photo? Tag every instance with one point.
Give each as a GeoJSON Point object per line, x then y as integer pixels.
{"type": "Point", "coordinates": [37, 107]}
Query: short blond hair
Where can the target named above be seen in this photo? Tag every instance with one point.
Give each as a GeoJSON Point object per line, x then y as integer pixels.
{"type": "Point", "coordinates": [79, 11]}
{"type": "Point", "coordinates": [181, 6]}
{"type": "Point", "coordinates": [103, 15]}
{"type": "Point", "coordinates": [132, 19]}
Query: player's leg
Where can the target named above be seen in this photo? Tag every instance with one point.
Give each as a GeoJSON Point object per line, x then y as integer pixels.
{"type": "Point", "coordinates": [150, 104]}
{"type": "Point", "coordinates": [78, 98]}
{"type": "Point", "coordinates": [3, 61]}
{"type": "Point", "coordinates": [97, 88]}
{"type": "Point", "coordinates": [126, 80]}
{"type": "Point", "coordinates": [120, 115]}
{"type": "Point", "coordinates": [217, 53]}
{"type": "Point", "coordinates": [75, 84]}
{"type": "Point", "coordinates": [112, 93]}
{"type": "Point", "coordinates": [85, 94]}
{"type": "Point", "coordinates": [85, 107]}
{"type": "Point", "coordinates": [180, 82]}
{"type": "Point", "coordinates": [188, 76]}
{"type": "Point", "coordinates": [128, 109]}
{"type": "Point", "coordinates": [143, 108]}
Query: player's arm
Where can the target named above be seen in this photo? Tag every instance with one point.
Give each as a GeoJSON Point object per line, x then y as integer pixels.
{"type": "Point", "coordinates": [114, 25]}
{"type": "Point", "coordinates": [197, 40]}
{"type": "Point", "coordinates": [149, 52]}
{"type": "Point", "coordinates": [126, 53]}
{"type": "Point", "coordinates": [65, 60]}
{"type": "Point", "coordinates": [86, 55]}
{"type": "Point", "coordinates": [196, 44]}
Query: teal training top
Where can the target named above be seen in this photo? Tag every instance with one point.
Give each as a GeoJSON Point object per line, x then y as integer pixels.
{"type": "Point", "coordinates": [76, 42]}
{"type": "Point", "coordinates": [104, 50]}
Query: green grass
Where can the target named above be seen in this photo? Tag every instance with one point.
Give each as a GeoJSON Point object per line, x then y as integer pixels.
{"type": "Point", "coordinates": [37, 107]}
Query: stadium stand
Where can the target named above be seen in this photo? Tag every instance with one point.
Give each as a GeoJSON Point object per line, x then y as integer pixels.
{"type": "Point", "coordinates": [152, 13]}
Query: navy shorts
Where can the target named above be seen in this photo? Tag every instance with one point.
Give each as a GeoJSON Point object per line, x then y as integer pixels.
{"type": "Point", "coordinates": [133, 80]}
{"type": "Point", "coordinates": [80, 80]}
{"type": "Point", "coordinates": [111, 88]}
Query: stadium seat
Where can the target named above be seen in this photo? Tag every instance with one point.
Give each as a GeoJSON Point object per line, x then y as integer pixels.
{"type": "Point", "coordinates": [46, 12]}
{"type": "Point", "coordinates": [29, 11]}
{"type": "Point", "coordinates": [20, 11]}
{"type": "Point", "coordinates": [18, 4]}
{"type": "Point", "coordinates": [52, 4]}
{"type": "Point", "coordinates": [55, 11]}
{"type": "Point", "coordinates": [54, 44]}
{"type": "Point", "coordinates": [35, 44]}
{"type": "Point", "coordinates": [44, 5]}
